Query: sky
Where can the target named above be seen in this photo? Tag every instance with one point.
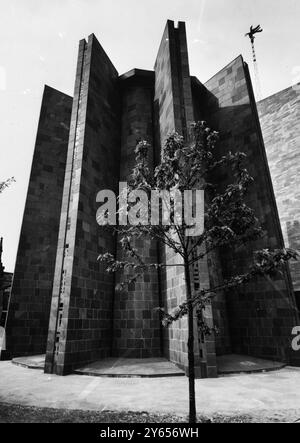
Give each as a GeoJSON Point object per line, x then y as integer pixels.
{"type": "Point", "coordinates": [39, 43]}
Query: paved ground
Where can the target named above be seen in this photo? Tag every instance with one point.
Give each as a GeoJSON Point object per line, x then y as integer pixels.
{"type": "Point", "coordinates": [114, 367]}
{"type": "Point", "coordinates": [234, 363]}
{"type": "Point", "coordinates": [275, 394]}
{"type": "Point", "coordinates": [156, 367]}
{"type": "Point", "coordinates": [32, 362]}
{"type": "Point", "coordinates": [132, 367]}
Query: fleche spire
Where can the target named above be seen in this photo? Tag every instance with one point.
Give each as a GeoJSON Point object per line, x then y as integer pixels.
{"type": "Point", "coordinates": [252, 34]}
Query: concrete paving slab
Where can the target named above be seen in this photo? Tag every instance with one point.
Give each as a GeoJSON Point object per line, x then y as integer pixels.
{"type": "Point", "coordinates": [131, 367]}
{"type": "Point", "coordinates": [32, 362]}
{"type": "Point", "coordinates": [235, 364]}
{"type": "Point", "coordinates": [156, 367]}
{"type": "Point", "coordinates": [113, 367]}
{"type": "Point", "coordinates": [275, 392]}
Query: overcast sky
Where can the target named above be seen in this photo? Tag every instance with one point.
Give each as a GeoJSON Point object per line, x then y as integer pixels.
{"type": "Point", "coordinates": [39, 42]}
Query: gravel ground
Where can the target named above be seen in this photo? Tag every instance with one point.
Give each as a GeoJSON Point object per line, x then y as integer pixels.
{"type": "Point", "coordinates": [28, 414]}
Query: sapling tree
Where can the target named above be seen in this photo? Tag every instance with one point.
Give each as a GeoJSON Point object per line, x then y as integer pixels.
{"type": "Point", "coordinates": [226, 221]}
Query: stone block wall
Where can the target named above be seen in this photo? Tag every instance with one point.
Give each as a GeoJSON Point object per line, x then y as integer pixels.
{"type": "Point", "coordinates": [172, 82]}
{"type": "Point", "coordinates": [28, 319]}
{"type": "Point", "coordinates": [261, 314]}
{"type": "Point", "coordinates": [173, 97]}
{"type": "Point", "coordinates": [81, 313]}
{"type": "Point", "coordinates": [136, 327]}
{"type": "Point", "coordinates": [280, 122]}
{"type": "Point", "coordinates": [201, 100]}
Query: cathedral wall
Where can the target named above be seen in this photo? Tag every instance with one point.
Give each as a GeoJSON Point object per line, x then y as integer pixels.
{"type": "Point", "coordinates": [81, 316]}
{"type": "Point", "coordinates": [137, 331]}
{"type": "Point", "coordinates": [202, 99]}
{"type": "Point", "coordinates": [280, 121]}
{"type": "Point", "coordinates": [28, 318]}
{"type": "Point", "coordinates": [174, 106]}
{"type": "Point", "coordinates": [262, 313]}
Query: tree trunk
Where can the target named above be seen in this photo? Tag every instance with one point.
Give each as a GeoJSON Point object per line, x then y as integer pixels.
{"type": "Point", "coordinates": [191, 357]}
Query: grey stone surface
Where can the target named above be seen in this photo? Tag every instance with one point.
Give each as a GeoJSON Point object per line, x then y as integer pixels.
{"type": "Point", "coordinates": [132, 367]}
{"type": "Point", "coordinates": [280, 121]}
{"type": "Point", "coordinates": [233, 364]}
{"type": "Point", "coordinates": [28, 317]}
{"type": "Point", "coordinates": [30, 362]}
{"type": "Point", "coordinates": [255, 319]}
{"type": "Point", "coordinates": [274, 394]}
